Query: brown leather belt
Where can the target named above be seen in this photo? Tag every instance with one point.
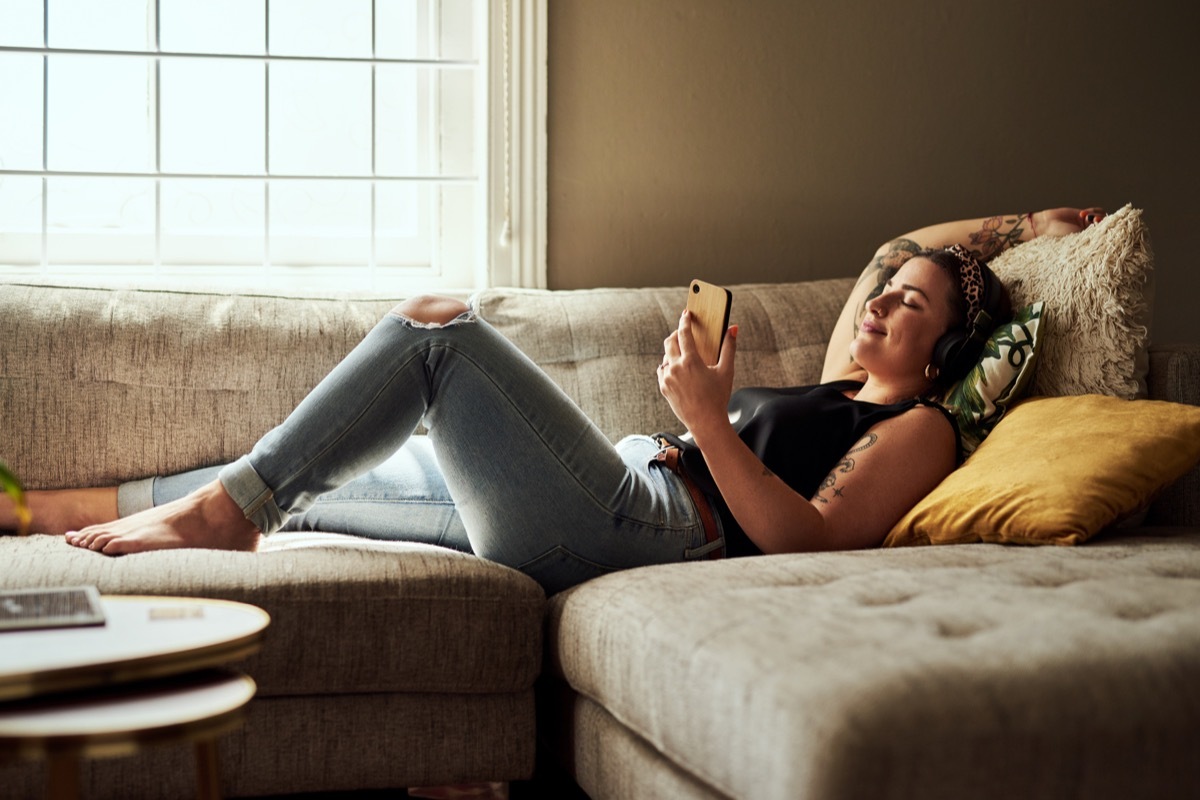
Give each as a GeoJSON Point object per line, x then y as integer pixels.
{"type": "Point", "coordinates": [669, 456]}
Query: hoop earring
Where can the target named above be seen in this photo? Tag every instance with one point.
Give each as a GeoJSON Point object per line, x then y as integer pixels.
{"type": "Point", "coordinates": [932, 372]}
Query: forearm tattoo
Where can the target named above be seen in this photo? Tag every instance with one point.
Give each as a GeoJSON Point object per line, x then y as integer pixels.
{"type": "Point", "coordinates": [844, 467]}
{"type": "Point", "coordinates": [997, 235]}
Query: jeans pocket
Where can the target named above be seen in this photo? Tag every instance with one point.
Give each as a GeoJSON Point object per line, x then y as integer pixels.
{"type": "Point", "coordinates": [558, 568]}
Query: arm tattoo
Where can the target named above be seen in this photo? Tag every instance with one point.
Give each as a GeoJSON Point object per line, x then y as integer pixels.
{"type": "Point", "coordinates": [844, 466]}
{"type": "Point", "coordinates": [997, 235]}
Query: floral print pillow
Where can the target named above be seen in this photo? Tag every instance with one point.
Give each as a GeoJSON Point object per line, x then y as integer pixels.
{"type": "Point", "coordinates": [1004, 370]}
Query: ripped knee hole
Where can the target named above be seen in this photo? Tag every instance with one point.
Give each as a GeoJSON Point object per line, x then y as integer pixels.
{"type": "Point", "coordinates": [433, 311]}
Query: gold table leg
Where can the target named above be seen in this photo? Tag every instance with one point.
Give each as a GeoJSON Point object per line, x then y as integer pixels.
{"type": "Point", "coordinates": [209, 786]}
{"type": "Point", "coordinates": [62, 776]}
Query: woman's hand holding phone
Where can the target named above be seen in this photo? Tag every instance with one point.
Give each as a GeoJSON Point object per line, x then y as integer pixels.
{"type": "Point", "coordinates": [694, 376]}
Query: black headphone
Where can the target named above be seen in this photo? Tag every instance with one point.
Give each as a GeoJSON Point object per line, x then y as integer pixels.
{"type": "Point", "coordinates": [958, 349]}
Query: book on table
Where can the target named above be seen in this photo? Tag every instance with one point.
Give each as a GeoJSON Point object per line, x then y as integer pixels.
{"type": "Point", "coordinates": [50, 607]}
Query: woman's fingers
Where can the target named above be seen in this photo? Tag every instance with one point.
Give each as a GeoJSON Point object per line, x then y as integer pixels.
{"type": "Point", "coordinates": [671, 345]}
{"type": "Point", "coordinates": [1056, 222]}
{"type": "Point", "coordinates": [687, 342]}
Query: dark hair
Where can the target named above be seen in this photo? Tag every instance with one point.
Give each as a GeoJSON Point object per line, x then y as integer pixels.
{"type": "Point", "coordinates": [960, 347]}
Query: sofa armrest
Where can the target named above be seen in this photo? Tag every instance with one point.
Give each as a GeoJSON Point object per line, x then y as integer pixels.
{"type": "Point", "coordinates": [1175, 373]}
{"type": "Point", "coordinates": [1175, 376]}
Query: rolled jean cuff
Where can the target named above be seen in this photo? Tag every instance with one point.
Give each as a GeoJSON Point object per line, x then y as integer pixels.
{"type": "Point", "coordinates": [253, 496]}
{"type": "Point", "coordinates": [135, 496]}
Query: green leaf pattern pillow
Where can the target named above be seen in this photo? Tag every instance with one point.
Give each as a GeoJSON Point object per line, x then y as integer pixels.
{"type": "Point", "coordinates": [1006, 367]}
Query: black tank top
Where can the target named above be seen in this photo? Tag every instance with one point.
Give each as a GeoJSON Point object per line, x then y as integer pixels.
{"type": "Point", "coordinates": [799, 433]}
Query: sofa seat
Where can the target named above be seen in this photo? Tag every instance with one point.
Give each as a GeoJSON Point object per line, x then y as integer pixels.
{"type": "Point", "coordinates": [433, 651]}
{"type": "Point", "coordinates": [977, 671]}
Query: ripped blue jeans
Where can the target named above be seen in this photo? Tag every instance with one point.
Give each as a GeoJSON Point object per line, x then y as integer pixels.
{"type": "Point", "coordinates": [511, 469]}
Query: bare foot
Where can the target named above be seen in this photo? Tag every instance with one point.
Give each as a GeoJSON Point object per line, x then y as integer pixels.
{"type": "Point", "coordinates": [57, 511]}
{"type": "Point", "coordinates": [207, 518]}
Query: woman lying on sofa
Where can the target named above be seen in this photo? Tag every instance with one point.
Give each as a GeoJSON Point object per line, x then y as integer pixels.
{"type": "Point", "coordinates": [511, 469]}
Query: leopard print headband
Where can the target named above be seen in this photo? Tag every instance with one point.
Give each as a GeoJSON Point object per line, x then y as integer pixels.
{"type": "Point", "coordinates": [970, 280]}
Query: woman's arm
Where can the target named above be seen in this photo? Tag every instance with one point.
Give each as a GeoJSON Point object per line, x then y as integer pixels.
{"type": "Point", "coordinates": [986, 237]}
{"type": "Point", "coordinates": [872, 486]}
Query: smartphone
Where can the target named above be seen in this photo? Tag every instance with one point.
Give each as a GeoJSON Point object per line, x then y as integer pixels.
{"type": "Point", "coordinates": [709, 306]}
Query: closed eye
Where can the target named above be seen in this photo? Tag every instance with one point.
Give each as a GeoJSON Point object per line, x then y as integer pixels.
{"type": "Point", "coordinates": [909, 288]}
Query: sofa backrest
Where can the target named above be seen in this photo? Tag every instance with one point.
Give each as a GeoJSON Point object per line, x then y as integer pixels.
{"type": "Point", "coordinates": [100, 386]}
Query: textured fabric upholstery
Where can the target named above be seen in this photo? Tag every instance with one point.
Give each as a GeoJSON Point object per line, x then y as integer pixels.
{"type": "Point", "coordinates": [969, 671]}
{"type": "Point", "coordinates": [91, 368]}
{"type": "Point", "coordinates": [347, 615]}
{"type": "Point", "coordinates": [327, 742]}
{"type": "Point", "coordinates": [1175, 376]}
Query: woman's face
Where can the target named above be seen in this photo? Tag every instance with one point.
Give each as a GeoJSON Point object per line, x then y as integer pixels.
{"type": "Point", "coordinates": [902, 324]}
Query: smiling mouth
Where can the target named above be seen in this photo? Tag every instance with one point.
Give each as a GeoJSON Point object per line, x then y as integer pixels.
{"type": "Point", "coordinates": [868, 327]}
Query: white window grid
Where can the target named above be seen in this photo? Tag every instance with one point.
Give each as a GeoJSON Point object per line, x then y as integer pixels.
{"type": "Point", "coordinates": [471, 224]}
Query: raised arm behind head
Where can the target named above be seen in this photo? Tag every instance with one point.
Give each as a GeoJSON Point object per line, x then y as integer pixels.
{"type": "Point", "coordinates": [985, 237]}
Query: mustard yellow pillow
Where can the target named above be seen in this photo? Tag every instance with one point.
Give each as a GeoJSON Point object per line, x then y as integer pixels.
{"type": "Point", "coordinates": [1058, 470]}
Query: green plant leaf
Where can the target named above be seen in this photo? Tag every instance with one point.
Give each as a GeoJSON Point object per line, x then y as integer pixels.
{"type": "Point", "coordinates": [12, 487]}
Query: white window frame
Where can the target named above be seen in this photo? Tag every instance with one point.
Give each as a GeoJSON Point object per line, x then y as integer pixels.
{"type": "Point", "coordinates": [513, 250]}
{"type": "Point", "coordinates": [517, 146]}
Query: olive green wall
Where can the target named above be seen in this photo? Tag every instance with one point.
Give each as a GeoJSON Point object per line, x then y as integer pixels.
{"type": "Point", "coordinates": [761, 140]}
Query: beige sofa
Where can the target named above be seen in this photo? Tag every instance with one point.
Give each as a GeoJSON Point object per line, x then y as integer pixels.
{"type": "Point", "coordinates": [967, 671]}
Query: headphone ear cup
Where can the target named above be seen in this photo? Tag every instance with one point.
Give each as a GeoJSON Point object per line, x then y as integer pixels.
{"type": "Point", "coordinates": [948, 349]}
{"type": "Point", "coordinates": [957, 351]}
{"type": "Point", "coordinates": [960, 361]}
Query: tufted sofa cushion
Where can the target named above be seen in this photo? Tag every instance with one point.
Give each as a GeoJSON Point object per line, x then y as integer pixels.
{"type": "Point", "coordinates": [973, 671]}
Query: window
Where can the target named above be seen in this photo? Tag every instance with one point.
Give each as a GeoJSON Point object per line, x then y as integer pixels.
{"type": "Point", "coordinates": [290, 146]}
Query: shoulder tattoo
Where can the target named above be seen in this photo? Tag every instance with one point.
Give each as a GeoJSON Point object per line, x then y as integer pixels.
{"type": "Point", "coordinates": [829, 489]}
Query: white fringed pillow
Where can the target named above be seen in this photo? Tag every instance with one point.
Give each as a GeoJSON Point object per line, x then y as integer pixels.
{"type": "Point", "coordinates": [1095, 288]}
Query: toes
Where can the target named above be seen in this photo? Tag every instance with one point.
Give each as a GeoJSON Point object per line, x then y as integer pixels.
{"type": "Point", "coordinates": [88, 539]}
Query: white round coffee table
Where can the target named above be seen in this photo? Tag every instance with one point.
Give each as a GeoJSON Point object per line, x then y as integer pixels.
{"type": "Point", "coordinates": [144, 637]}
{"type": "Point", "coordinates": [145, 678]}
